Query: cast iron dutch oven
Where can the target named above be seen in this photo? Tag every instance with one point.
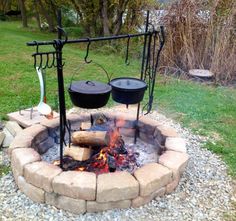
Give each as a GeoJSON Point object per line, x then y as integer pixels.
{"type": "Point", "coordinates": [127, 90]}
{"type": "Point", "coordinates": [89, 94]}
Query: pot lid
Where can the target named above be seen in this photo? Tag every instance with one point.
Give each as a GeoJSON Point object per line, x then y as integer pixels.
{"type": "Point", "coordinates": [128, 83]}
{"type": "Point", "coordinates": [89, 87]}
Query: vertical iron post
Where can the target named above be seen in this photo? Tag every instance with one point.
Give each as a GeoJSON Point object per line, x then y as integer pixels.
{"type": "Point", "coordinates": [61, 94]}
{"type": "Point", "coordinates": [142, 72]}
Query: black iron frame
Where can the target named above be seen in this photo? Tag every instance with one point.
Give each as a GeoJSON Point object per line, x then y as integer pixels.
{"type": "Point", "coordinates": [57, 55]}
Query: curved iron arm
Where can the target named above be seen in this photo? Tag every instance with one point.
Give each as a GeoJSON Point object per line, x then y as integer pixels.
{"type": "Point", "coordinates": [127, 52]}
{"type": "Point", "coordinates": [87, 52]}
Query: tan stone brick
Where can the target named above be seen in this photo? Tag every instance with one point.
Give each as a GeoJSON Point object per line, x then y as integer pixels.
{"type": "Point", "coordinates": [147, 125]}
{"type": "Point", "coordinates": [41, 174]}
{"type": "Point", "coordinates": [75, 184]}
{"type": "Point", "coordinates": [146, 137]}
{"type": "Point", "coordinates": [116, 186]}
{"type": "Point", "coordinates": [93, 206]}
{"type": "Point", "coordinates": [172, 186]}
{"type": "Point", "coordinates": [167, 131]}
{"type": "Point", "coordinates": [35, 130]}
{"type": "Point", "coordinates": [176, 144]}
{"type": "Point", "coordinates": [72, 205]}
{"type": "Point", "coordinates": [175, 161]}
{"type": "Point", "coordinates": [21, 157]}
{"type": "Point", "coordinates": [78, 117]}
{"type": "Point", "coordinates": [2, 136]}
{"type": "Point", "coordinates": [128, 132]}
{"type": "Point", "coordinates": [50, 123]}
{"type": "Point", "coordinates": [142, 200]}
{"type": "Point", "coordinates": [125, 120]}
{"type": "Point", "coordinates": [13, 127]}
{"type": "Point", "coordinates": [20, 142]}
{"type": "Point", "coordinates": [152, 177]}
{"type": "Point", "coordinates": [34, 193]}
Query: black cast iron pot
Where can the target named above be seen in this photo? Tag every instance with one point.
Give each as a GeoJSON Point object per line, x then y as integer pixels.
{"type": "Point", "coordinates": [128, 90]}
{"type": "Point", "coordinates": [89, 94]}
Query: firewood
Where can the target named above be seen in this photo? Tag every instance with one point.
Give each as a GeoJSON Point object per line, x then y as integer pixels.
{"type": "Point", "coordinates": [77, 152]}
{"type": "Point", "coordinates": [90, 138]}
{"type": "Point", "coordinates": [85, 125]}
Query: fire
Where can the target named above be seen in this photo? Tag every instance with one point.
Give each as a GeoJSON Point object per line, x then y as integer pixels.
{"type": "Point", "coordinates": [109, 158]}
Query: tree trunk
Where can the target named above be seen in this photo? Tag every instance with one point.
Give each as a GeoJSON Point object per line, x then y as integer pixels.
{"type": "Point", "coordinates": [47, 15]}
{"type": "Point", "coordinates": [23, 13]}
{"type": "Point", "coordinates": [37, 16]}
{"type": "Point", "coordinates": [105, 20]}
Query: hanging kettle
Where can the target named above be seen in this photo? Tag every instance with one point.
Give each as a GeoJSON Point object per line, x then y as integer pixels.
{"type": "Point", "coordinates": [89, 94]}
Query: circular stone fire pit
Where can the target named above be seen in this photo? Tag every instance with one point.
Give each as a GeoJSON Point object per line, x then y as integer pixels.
{"type": "Point", "coordinates": [79, 191]}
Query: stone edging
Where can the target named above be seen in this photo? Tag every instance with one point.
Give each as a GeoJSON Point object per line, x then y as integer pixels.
{"type": "Point", "coordinates": [80, 192]}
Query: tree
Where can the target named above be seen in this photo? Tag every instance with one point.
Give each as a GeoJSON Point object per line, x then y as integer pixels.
{"type": "Point", "coordinates": [23, 13]}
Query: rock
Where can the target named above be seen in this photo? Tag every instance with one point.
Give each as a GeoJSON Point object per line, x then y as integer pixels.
{"type": "Point", "coordinates": [152, 177]}
{"type": "Point", "coordinates": [21, 157]}
{"type": "Point", "coordinates": [93, 206]}
{"type": "Point", "coordinates": [72, 205]}
{"type": "Point", "coordinates": [176, 144]}
{"type": "Point", "coordinates": [201, 73]}
{"type": "Point", "coordinates": [41, 174]}
{"type": "Point", "coordinates": [2, 136]}
{"type": "Point", "coordinates": [34, 193]}
{"type": "Point", "coordinates": [20, 142]}
{"type": "Point", "coordinates": [142, 200]}
{"type": "Point", "coordinates": [45, 145]}
{"type": "Point", "coordinates": [8, 138]}
{"type": "Point", "coordinates": [116, 186]}
{"type": "Point", "coordinates": [13, 127]}
{"type": "Point", "coordinates": [76, 184]}
{"type": "Point", "coordinates": [175, 161]}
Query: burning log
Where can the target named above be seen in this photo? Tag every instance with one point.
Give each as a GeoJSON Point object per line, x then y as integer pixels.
{"type": "Point", "coordinates": [78, 153]}
{"type": "Point", "coordinates": [91, 138]}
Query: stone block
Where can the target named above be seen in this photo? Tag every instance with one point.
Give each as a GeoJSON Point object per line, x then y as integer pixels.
{"type": "Point", "coordinates": [167, 131]}
{"type": "Point", "coordinates": [37, 131]}
{"type": "Point", "coordinates": [21, 157]}
{"type": "Point", "coordinates": [152, 177]}
{"type": "Point", "coordinates": [146, 137]}
{"type": "Point", "coordinates": [76, 184]}
{"type": "Point", "coordinates": [147, 125]}
{"type": "Point", "coordinates": [172, 186]}
{"type": "Point", "coordinates": [50, 123]}
{"type": "Point", "coordinates": [45, 145]}
{"type": "Point", "coordinates": [2, 136]}
{"type": "Point", "coordinates": [125, 120]}
{"type": "Point", "coordinates": [41, 174]}
{"type": "Point", "coordinates": [72, 205]}
{"type": "Point", "coordinates": [128, 132]}
{"type": "Point", "coordinates": [176, 144]}
{"type": "Point", "coordinates": [142, 200]}
{"type": "Point", "coordinates": [93, 206]}
{"type": "Point", "coordinates": [13, 127]}
{"type": "Point", "coordinates": [23, 117]}
{"type": "Point", "coordinates": [78, 117]}
{"type": "Point", "coordinates": [34, 193]}
{"type": "Point", "coordinates": [175, 161]}
{"type": "Point", "coordinates": [116, 186]}
{"type": "Point", "coordinates": [8, 138]}
{"type": "Point", "coordinates": [20, 142]}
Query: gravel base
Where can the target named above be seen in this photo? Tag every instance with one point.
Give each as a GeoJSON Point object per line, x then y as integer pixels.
{"type": "Point", "coordinates": [204, 193]}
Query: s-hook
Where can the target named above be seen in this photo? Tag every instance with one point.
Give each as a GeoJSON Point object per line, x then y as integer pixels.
{"type": "Point", "coordinates": [87, 52]}
{"type": "Point", "coordinates": [127, 51]}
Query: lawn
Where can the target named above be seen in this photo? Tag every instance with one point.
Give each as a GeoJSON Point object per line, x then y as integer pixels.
{"type": "Point", "coordinates": [206, 110]}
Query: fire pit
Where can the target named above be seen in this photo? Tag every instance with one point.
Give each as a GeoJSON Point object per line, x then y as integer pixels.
{"type": "Point", "coordinates": [118, 174]}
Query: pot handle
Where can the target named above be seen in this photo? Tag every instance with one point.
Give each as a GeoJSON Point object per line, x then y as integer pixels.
{"type": "Point", "coordinates": [89, 82]}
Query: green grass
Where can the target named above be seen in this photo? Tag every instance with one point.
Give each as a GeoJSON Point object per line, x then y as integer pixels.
{"type": "Point", "coordinates": [206, 110]}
